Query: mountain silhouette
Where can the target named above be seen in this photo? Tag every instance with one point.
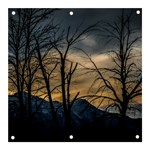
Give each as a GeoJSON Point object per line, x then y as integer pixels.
{"type": "Point", "coordinates": [88, 123]}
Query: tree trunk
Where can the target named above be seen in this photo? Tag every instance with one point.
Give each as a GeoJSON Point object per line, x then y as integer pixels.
{"type": "Point", "coordinates": [124, 108]}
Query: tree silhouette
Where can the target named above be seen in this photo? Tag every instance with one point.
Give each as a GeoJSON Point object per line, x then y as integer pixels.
{"type": "Point", "coordinates": [32, 36]}
{"type": "Point", "coordinates": [67, 68]}
{"type": "Point", "coordinates": [46, 73]}
{"type": "Point", "coordinates": [40, 67]}
{"type": "Point", "coordinates": [124, 71]}
{"type": "Point", "coordinates": [23, 65]}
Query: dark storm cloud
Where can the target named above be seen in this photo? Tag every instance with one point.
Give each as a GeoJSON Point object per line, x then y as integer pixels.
{"type": "Point", "coordinates": [90, 16]}
{"type": "Point", "coordinates": [87, 17]}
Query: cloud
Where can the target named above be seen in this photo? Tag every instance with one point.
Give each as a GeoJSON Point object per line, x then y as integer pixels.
{"type": "Point", "coordinates": [82, 79]}
{"type": "Point", "coordinates": [89, 41]}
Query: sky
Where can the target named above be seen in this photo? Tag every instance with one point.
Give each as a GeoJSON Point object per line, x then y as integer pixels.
{"type": "Point", "coordinates": [87, 17]}
{"type": "Point", "coordinates": [95, 45]}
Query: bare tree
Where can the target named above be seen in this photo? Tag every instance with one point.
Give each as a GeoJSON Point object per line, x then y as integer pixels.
{"type": "Point", "coordinates": [124, 71]}
{"type": "Point", "coordinates": [46, 74]}
{"type": "Point", "coordinates": [67, 68]}
{"type": "Point", "coordinates": [23, 65]}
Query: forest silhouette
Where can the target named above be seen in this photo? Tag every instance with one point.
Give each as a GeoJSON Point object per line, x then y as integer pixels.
{"type": "Point", "coordinates": [39, 66]}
